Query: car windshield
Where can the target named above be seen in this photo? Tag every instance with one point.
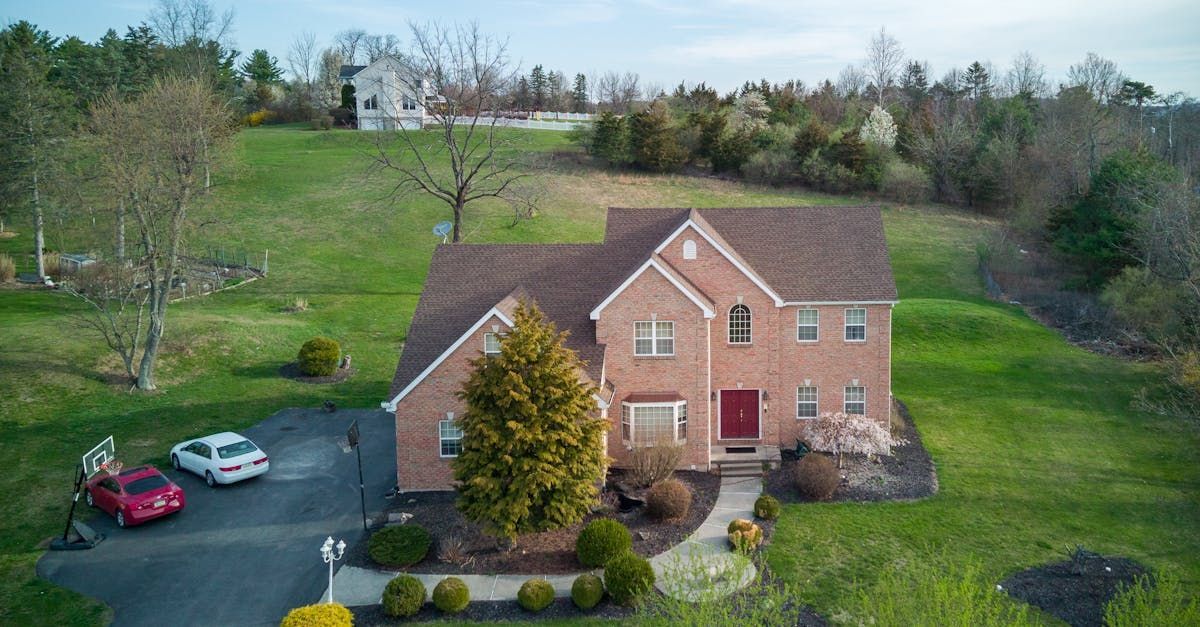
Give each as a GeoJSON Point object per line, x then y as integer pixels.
{"type": "Point", "coordinates": [236, 449]}
{"type": "Point", "coordinates": [146, 484]}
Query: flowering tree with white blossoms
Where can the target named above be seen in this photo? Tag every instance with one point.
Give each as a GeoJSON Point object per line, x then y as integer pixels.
{"type": "Point", "coordinates": [879, 129]}
{"type": "Point", "coordinates": [851, 433]}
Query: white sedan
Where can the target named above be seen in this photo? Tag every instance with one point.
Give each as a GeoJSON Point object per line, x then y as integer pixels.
{"type": "Point", "coordinates": [220, 458]}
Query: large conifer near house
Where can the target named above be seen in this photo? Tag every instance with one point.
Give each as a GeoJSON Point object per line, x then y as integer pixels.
{"type": "Point", "coordinates": [532, 455]}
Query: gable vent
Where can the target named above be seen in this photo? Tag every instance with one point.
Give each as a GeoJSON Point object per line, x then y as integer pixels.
{"type": "Point", "coordinates": [689, 249]}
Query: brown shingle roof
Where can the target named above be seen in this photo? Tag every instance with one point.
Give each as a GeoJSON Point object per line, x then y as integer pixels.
{"type": "Point", "coordinates": [803, 253]}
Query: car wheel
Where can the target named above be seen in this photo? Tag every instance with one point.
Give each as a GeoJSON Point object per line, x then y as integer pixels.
{"type": "Point", "coordinates": [175, 461]}
{"type": "Point", "coordinates": [210, 479]}
{"type": "Point", "coordinates": [87, 497]}
{"type": "Point", "coordinates": [121, 518]}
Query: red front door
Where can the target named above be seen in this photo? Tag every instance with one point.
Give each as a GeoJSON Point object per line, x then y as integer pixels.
{"type": "Point", "coordinates": [739, 414]}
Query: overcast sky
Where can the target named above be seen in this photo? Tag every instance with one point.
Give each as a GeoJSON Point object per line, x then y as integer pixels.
{"type": "Point", "coordinates": [723, 42]}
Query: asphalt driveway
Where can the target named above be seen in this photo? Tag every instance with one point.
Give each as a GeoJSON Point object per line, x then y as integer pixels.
{"type": "Point", "coordinates": [242, 554]}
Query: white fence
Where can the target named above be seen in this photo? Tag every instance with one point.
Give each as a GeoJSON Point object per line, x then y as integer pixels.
{"type": "Point", "coordinates": [540, 124]}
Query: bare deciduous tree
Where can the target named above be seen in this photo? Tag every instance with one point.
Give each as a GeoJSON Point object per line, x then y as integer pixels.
{"type": "Point", "coordinates": [179, 22]}
{"type": "Point", "coordinates": [302, 58]}
{"type": "Point", "coordinates": [349, 44]}
{"type": "Point", "coordinates": [469, 157]}
{"type": "Point", "coordinates": [1099, 76]}
{"type": "Point", "coordinates": [851, 81]}
{"type": "Point", "coordinates": [379, 46]}
{"type": "Point", "coordinates": [116, 300]}
{"type": "Point", "coordinates": [617, 92]}
{"type": "Point", "coordinates": [884, 57]}
{"type": "Point", "coordinates": [1026, 76]}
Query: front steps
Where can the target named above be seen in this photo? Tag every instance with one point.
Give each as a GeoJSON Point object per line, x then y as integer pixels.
{"type": "Point", "coordinates": [752, 463]}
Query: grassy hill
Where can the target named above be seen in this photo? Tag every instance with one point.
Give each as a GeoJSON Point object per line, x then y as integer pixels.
{"type": "Point", "coordinates": [1036, 445]}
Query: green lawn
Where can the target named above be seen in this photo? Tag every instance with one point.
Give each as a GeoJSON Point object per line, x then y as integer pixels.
{"type": "Point", "coordinates": [1035, 442]}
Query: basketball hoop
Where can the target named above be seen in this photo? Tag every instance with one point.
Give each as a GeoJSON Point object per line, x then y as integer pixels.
{"type": "Point", "coordinates": [112, 467]}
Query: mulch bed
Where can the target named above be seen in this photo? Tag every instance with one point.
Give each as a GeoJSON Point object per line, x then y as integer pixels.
{"type": "Point", "coordinates": [292, 371]}
{"type": "Point", "coordinates": [1075, 590]}
{"type": "Point", "coordinates": [546, 553]}
{"type": "Point", "coordinates": [907, 474]}
{"type": "Point", "coordinates": [492, 611]}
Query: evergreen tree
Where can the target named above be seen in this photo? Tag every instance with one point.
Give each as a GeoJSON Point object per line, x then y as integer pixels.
{"type": "Point", "coordinates": [914, 84]}
{"type": "Point", "coordinates": [976, 81]}
{"type": "Point", "coordinates": [262, 68]}
{"type": "Point", "coordinates": [521, 97]}
{"type": "Point", "coordinates": [532, 449]}
{"type": "Point", "coordinates": [538, 84]}
{"type": "Point", "coordinates": [653, 142]}
{"type": "Point", "coordinates": [579, 95]}
{"type": "Point", "coordinates": [610, 139]}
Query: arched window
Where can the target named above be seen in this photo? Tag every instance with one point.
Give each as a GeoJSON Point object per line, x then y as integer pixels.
{"type": "Point", "coordinates": [689, 249]}
{"type": "Point", "coordinates": [739, 324]}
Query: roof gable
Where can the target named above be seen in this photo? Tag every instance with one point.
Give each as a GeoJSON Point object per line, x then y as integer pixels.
{"type": "Point", "coordinates": [698, 224]}
{"type": "Point", "coordinates": [672, 276]}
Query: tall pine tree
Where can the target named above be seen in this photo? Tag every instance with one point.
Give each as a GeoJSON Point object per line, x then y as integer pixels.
{"type": "Point", "coordinates": [538, 84]}
{"type": "Point", "coordinates": [579, 95]}
{"type": "Point", "coordinates": [532, 451]}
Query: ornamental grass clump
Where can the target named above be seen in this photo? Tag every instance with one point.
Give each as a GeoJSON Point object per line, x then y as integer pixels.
{"type": "Point", "coordinates": [815, 477]}
{"type": "Point", "coordinates": [600, 541]}
{"type": "Point", "coordinates": [319, 615]}
{"type": "Point", "coordinates": [535, 595]}
{"type": "Point", "coordinates": [628, 577]}
{"type": "Point", "coordinates": [587, 591]}
{"type": "Point", "coordinates": [403, 596]}
{"type": "Point", "coordinates": [399, 546]}
{"type": "Point", "coordinates": [451, 595]}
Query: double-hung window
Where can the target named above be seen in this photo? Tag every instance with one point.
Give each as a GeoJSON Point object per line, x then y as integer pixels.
{"type": "Point", "coordinates": [650, 424]}
{"type": "Point", "coordinates": [808, 323]}
{"type": "Point", "coordinates": [856, 325]}
{"type": "Point", "coordinates": [371, 103]}
{"type": "Point", "coordinates": [449, 438]}
{"type": "Point", "coordinates": [806, 401]}
{"type": "Point", "coordinates": [855, 400]}
{"type": "Point", "coordinates": [740, 331]}
{"type": "Point", "coordinates": [408, 104]}
{"type": "Point", "coordinates": [653, 338]}
{"type": "Point", "coordinates": [491, 343]}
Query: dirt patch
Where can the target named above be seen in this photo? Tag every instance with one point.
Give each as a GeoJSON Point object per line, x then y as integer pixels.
{"type": "Point", "coordinates": [292, 371]}
{"type": "Point", "coordinates": [1075, 590]}
{"type": "Point", "coordinates": [546, 553]}
{"type": "Point", "coordinates": [907, 474]}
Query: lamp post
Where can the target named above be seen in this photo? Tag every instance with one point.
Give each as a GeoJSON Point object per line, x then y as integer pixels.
{"type": "Point", "coordinates": [330, 558]}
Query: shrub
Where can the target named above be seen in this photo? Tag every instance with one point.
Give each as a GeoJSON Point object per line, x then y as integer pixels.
{"type": "Point", "coordinates": [816, 477]}
{"type": "Point", "coordinates": [259, 117]}
{"type": "Point", "coordinates": [8, 269]}
{"type": "Point", "coordinates": [766, 507]}
{"type": "Point", "coordinates": [587, 591]}
{"type": "Point", "coordinates": [403, 596]}
{"type": "Point", "coordinates": [668, 500]}
{"type": "Point", "coordinates": [321, 123]}
{"type": "Point", "coordinates": [905, 182]}
{"type": "Point", "coordinates": [744, 535]}
{"type": "Point", "coordinates": [399, 545]}
{"type": "Point", "coordinates": [451, 595]}
{"type": "Point", "coordinates": [830, 177]}
{"type": "Point", "coordinates": [319, 615]}
{"type": "Point", "coordinates": [535, 595]}
{"type": "Point", "coordinates": [600, 541]}
{"type": "Point", "coordinates": [319, 357]}
{"type": "Point", "coordinates": [770, 167]}
{"type": "Point", "coordinates": [1161, 602]}
{"type": "Point", "coordinates": [627, 577]}
{"type": "Point", "coordinates": [651, 464]}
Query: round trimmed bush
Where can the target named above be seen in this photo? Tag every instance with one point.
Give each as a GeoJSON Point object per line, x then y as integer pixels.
{"type": "Point", "coordinates": [744, 535]}
{"type": "Point", "coordinates": [587, 591]}
{"type": "Point", "coordinates": [535, 595]}
{"type": "Point", "coordinates": [451, 595]}
{"type": "Point", "coordinates": [319, 615]}
{"type": "Point", "coordinates": [668, 500]}
{"type": "Point", "coordinates": [816, 477]}
{"type": "Point", "coordinates": [627, 577]}
{"type": "Point", "coordinates": [319, 357]}
{"type": "Point", "coordinates": [403, 596]}
{"type": "Point", "coordinates": [399, 545]}
{"type": "Point", "coordinates": [602, 540]}
{"type": "Point", "coordinates": [766, 507]}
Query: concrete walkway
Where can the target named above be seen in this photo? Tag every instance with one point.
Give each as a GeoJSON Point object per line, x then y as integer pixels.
{"type": "Point", "coordinates": [701, 564]}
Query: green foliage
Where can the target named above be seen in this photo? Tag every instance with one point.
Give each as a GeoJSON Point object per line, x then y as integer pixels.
{"type": "Point", "coordinates": [668, 500]}
{"type": "Point", "coordinates": [744, 535]}
{"type": "Point", "coordinates": [697, 594]}
{"type": "Point", "coordinates": [610, 139]}
{"type": "Point", "coordinates": [532, 453]}
{"type": "Point", "coordinates": [399, 545]}
{"type": "Point", "coordinates": [535, 595]}
{"type": "Point", "coordinates": [818, 173]}
{"type": "Point", "coordinates": [600, 541]}
{"type": "Point", "coordinates": [1156, 308]}
{"type": "Point", "coordinates": [816, 477]}
{"type": "Point", "coordinates": [587, 591]}
{"type": "Point", "coordinates": [451, 595]}
{"type": "Point", "coordinates": [319, 615]}
{"type": "Point", "coordinates": [1163, 602]}
{"type": "Point", "coordinates": [319, 357]}
{"type": "Point", "coordinates": [770, 167]}
{"type": "Point", "coordinates": [919, 592]}
{"type": "Point", "coordinates": [628, 577]}
{"type": "Point", "coordinates": [849, 152]}
{"type": "Point", "coordinates": [653, 143]}
{"type": "Point", "coordinates": [812, 137]}
{"type": "Point", "coordinates": [767, 507]}
{"type": "Point", "coordinates": [905, 182]}
{"type": "Point", "coordinates": [347, 99]}
{"type": "Point", "coordinates": [403, 596]}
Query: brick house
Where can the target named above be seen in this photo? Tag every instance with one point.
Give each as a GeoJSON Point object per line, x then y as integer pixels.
{"type": "Point", "coordinates": [727, 330]}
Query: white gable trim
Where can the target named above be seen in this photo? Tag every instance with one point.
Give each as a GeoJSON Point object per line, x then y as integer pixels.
{"type": "Point", "coordinates": [721, 249]}
{"type": "Point", "coordinates": [651, 263]}
{"type": "Point", "coordinates": [809, 303]}
{"type": "Point", "coordinates": [391, 405]}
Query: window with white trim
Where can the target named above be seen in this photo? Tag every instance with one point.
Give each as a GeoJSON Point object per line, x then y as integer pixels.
{"type": "Point", "coordinates": [653, 338]}
{"type": "Point", "coordinates": [740, 331]}
{"type": "Point", "coordinates": [371, 103]}
{"type": "Point", "coordinates": [689, 249]}
{"type": "Point", "coordinates": [856, 325]}
{"type": "Point", "coordinates": [408, 104]}
{"type": "Point", "coordinates": [806, 401]}
{"type": "Point", "coordinates": [449, 438]}
{"type": "Point", "coordinates": [491, 343]}
{"type": "Point", "coordinates": [648, 424]}
{"type": "Point", "coordinates": [808, 325]}
{"type": "Point", "coordinates": [855, 400]}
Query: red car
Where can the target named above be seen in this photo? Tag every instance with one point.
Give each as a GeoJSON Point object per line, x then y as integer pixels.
{"type": "Point", "coordinates": [135, 495]}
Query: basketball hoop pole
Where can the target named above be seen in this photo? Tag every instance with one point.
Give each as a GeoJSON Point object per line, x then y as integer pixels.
{"type": "Point", "coordinates": [79, 479]}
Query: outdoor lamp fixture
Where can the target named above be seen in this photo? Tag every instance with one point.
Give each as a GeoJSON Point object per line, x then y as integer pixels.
{"type": "Point", "coordinates": [330, 558]}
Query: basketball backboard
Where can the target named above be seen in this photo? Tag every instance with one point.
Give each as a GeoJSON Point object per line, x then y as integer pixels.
{"type": "Point", "coordinates": [95, 458]}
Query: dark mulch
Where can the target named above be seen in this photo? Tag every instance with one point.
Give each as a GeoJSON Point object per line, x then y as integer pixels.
{"type": "Point", "coordinates": [1075, 590]}
{"type": "Point", "coordinates": [491, 611]}
{"type": "Point", "coordinates": [908, 473]}
{"type": "Point", "coordinates": [546, 553]}
{"type": "Point", "coordinates": [292, 371]}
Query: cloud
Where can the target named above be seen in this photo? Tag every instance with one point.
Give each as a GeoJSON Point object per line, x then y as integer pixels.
{"type": "Point", "coordinates": [759, 46]}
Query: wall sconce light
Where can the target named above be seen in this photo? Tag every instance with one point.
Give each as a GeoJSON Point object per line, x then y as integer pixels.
{"type": "Point", "coordinates": [766, 396]}
{"type": "Point", "coordinates": [713, 396]}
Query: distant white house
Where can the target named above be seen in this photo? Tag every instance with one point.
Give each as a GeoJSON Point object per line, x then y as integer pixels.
{"type": "Point", "coordinates": [387, 96]}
